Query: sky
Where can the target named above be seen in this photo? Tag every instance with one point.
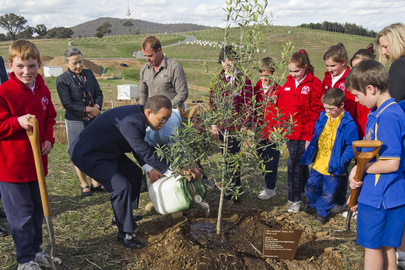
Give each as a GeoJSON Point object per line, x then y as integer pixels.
{"type": "Point", "coordinates": [371, 14]}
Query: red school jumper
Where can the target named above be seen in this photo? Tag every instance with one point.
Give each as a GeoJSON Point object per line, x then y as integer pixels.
{"type": "Point", "coordinates": [303, 103]}
{"type": "Point", "coordinates": [241, 93]}
{"type": "Point", "coordinates": [358, 112]}
{"type": "Point", "coordinates": [270, 108]}
{"type": "Point", "coordinates": [16, 99]}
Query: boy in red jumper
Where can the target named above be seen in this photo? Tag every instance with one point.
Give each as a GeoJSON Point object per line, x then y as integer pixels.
{"type": "Point", "coordinates": [266, 93]}
{"type": "Point", "coordinates": [24, 96]}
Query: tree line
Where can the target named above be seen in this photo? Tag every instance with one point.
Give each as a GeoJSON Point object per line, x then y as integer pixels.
{"type": "Point", "coordinates": [16, 28]}
{"type": "Point", "coordinates": [346, 28]}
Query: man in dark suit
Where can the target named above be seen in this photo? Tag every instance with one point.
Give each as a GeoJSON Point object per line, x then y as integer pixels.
{"type": "Point", "coordinates": [3, 78]}
{"type": "Point", "coordinates": [100, 152]}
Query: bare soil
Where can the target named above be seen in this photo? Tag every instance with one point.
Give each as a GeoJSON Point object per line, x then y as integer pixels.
{"type": "Point", "coordinates": [191, 242]}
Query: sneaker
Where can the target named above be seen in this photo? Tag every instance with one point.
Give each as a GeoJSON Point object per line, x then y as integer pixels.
{"type": "Point", "coordinates": [336, 208]}
{"type": "Point", "coordinates": [294, 207]}
{"type": "Point", "coordinates": [266, 193]}
{"type": "Point", "coordinates": [320, 219]}
{"type": "Point", "coordinates": [31, 265]}
{"type": "Point", "coordinates": [401, 262]}
{"type": "Point", "coordinates": [130, 240]}
{"type": "Point", "coordinates": [209, 184]}
{"type": "Point", "coordinates": [41, 259]}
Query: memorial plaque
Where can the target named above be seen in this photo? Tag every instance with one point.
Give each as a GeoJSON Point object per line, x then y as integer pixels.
{"type": "Point", "coordinates": [280, 243]}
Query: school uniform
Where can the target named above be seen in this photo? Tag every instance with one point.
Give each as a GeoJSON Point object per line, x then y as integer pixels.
{"type": "Point", "coordinates": [235, 89]}
{"type": "Point", "coordinates": [18, 177]}
{"type": "Point", "coordinates": [267, 97]}
{"type": "Point", "coordinates": [359, 114]}
{"type": "Point", "coordinates": [381, 217]}
{"type": "Point", "coordinates": [331, 151]}
{"type": "Point", "coordinates": [303, 103]}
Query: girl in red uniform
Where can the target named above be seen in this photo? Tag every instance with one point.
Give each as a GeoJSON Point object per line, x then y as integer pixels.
{"type": "Point", "coordinates": [336, 61]}
{"type": "Point", "coordinates": [300, 98]}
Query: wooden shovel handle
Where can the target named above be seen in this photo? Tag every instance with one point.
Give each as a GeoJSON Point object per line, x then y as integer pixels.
{"type": "Point", "coordinates": [33, 136]}
{"type": "Point", "coordinates": [362, 159]}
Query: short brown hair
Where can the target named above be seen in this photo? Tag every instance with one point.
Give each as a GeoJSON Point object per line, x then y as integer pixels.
{"type": "Point", "coordinates": [157, 102]}
{"type": "Point", "coordinates": [334, 96]}
{"type": "Point", "coordinates": [153, 42]}
{"type": "Point", "coordinates": [267, 64]}
{"type": "Point", "coordinates": [368, 72]}
{"type": "Point", "coordinates": [24, 49]}
{"type": "Point", "coordinates": [227, 52]}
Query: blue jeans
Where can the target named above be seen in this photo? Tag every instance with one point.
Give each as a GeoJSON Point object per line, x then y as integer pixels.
{"type": "Point", "coordinates": [321, 191]}
{"type": "Point", "coordinates": [271, 158]}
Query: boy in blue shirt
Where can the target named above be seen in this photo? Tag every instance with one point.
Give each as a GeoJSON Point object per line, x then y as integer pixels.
{"type": "Point", "coordinates": [381, 204]}
{"type": "Point", "coordinates": [331, 151]}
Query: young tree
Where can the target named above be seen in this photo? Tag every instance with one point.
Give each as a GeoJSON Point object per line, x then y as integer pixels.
{"type": "Point", "coordinates": [13, 23]}
{"type": "Point", "coordinates": [251, 22]}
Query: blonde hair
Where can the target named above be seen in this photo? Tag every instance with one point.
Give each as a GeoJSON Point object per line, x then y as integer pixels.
{"type": "Point", "coordinates": [24, 49]}
{"type": "Point", "coordinates": [395, 35]}
{"type": "Point", "coordinates": [195, 110]}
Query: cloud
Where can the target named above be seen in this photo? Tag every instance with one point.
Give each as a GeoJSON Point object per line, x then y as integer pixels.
{"type": "Point", "coordinates": [154, 3]}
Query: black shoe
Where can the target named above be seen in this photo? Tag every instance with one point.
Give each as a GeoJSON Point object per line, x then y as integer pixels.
{"type": "Point", "coordinates": [3, 232]}
{"type": "Point", "coordinates": [320, 219]}
{"type": "Point", "coordinates": [136, 218]}
{"type": "Point", "coordinates": [309, 210]}
{"type": "Point", "coordinates": [2, 213]}
{"type": "Point", "coordinates": [130, 240]}
{"type": "Point", "coordinates": [86, 193]}
{"type": "Point", "coordinates": [97, 188]}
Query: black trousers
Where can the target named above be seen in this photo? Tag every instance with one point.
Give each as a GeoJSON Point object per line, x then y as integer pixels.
{"type": "Point", "coordinates": [297, 172]}
{"type": "Point", "coordinates": [125, 188]}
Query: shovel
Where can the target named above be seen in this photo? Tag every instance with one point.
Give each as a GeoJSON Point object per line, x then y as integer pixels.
{"type": "Point", "coordinates": [362, 159]}
{"type": "Point", "coordinates": [33, 136]}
